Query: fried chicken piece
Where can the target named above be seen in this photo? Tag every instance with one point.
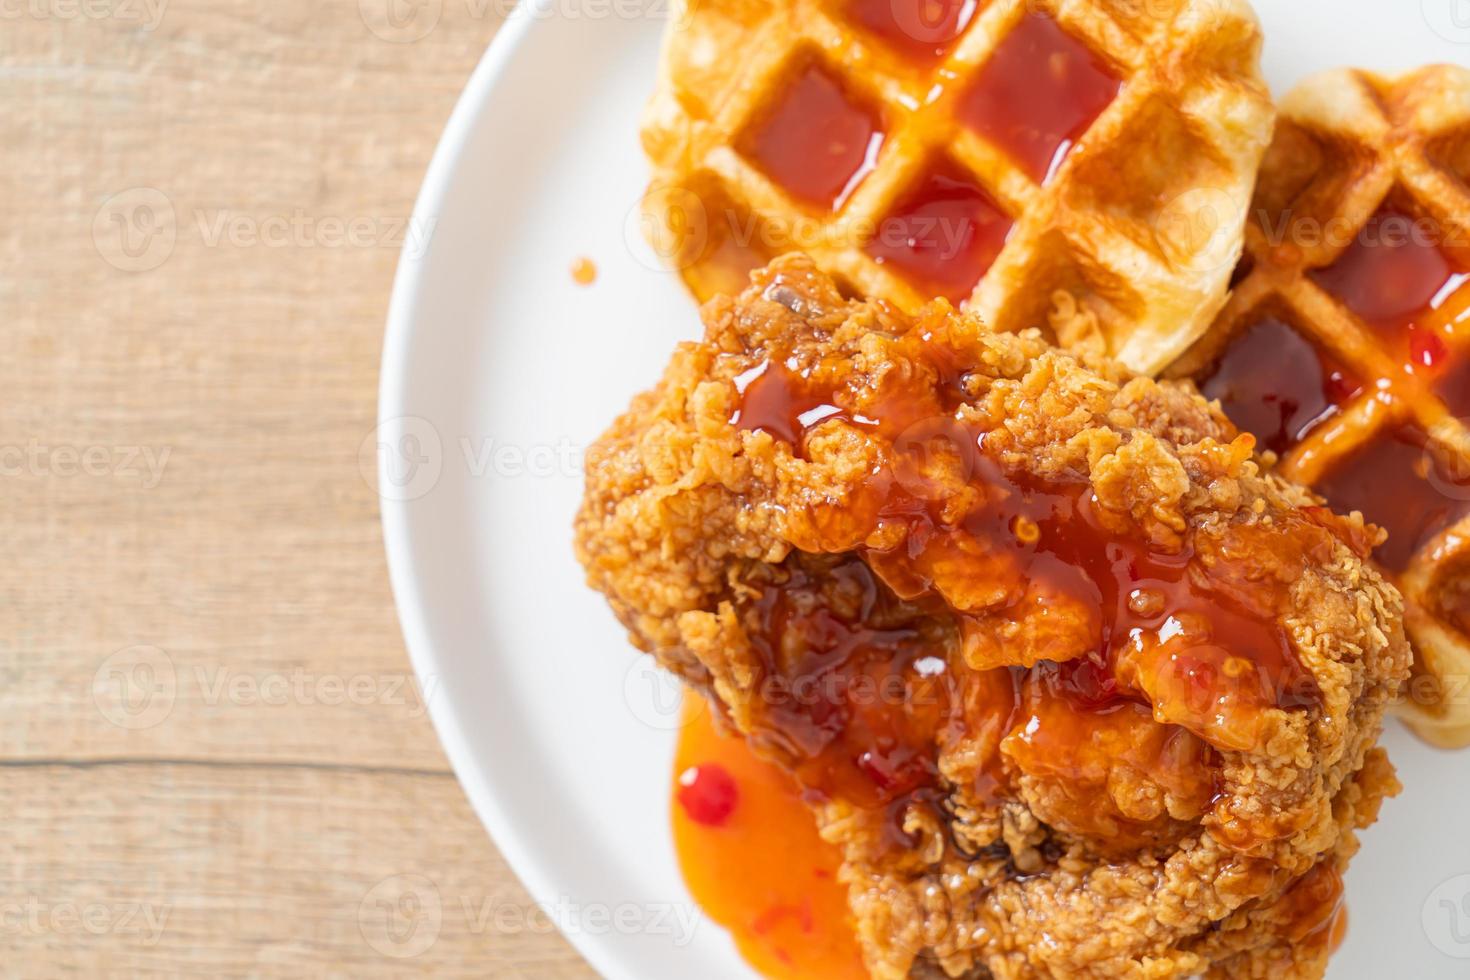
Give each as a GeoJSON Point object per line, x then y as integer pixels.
{"type": "Point", "coordinates": [1076, 688]}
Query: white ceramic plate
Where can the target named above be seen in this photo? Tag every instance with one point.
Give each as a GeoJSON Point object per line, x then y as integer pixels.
{"type": "Point", "coordinates": [498, 368]}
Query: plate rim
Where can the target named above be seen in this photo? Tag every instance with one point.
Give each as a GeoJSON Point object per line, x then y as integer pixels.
{"type": "Point", "coordinates": [392, 410]}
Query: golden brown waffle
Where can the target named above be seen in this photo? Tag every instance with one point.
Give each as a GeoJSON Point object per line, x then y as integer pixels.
{"type": "Point", "coordinates": [1346, 344]}
{"type": "Point", "coordinates": [762, 135]}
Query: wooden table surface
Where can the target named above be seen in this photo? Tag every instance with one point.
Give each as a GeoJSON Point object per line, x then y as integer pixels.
{"type": "Point", "coordinates": [213, 758]}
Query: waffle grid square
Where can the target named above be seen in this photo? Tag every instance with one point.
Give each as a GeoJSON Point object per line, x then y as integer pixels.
{"type": "Point", "coordinates": [1117, 226]}
{"type": "Point", "coordinates": [1349, 145]}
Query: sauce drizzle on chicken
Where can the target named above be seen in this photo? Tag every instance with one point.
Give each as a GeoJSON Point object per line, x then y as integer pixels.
{"type": "Point", "coordinates": [1009, 610]}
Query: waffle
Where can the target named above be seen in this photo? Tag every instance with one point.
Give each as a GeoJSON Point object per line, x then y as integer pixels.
{"type": "Point", "coordinates": [916, 147]}
{"type": "Point", "coordinates": [1345, 346]}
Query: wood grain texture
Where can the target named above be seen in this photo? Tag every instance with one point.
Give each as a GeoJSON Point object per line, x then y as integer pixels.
{"type": "Point", "coordinates": [206, 713]}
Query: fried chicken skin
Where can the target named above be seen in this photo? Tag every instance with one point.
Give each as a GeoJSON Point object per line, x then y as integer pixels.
{"type": "Point", "coordinates": [1077, 690]}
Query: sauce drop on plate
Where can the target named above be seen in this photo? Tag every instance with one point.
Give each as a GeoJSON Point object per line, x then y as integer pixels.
{"type": "Point", "coordinates": [762, 872]}
{"type": "Point", "coordinates": [584, 271]}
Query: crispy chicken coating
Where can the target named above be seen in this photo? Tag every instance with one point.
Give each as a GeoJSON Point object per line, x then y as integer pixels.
{"type": "Point", "coordinates": [1077, 690]}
